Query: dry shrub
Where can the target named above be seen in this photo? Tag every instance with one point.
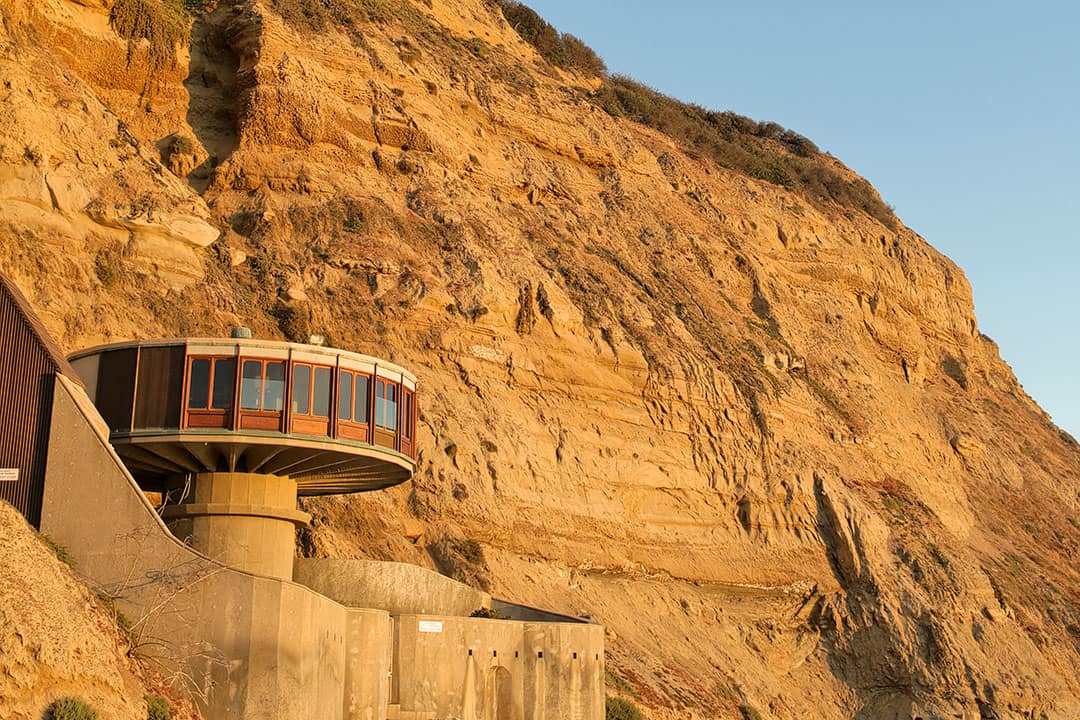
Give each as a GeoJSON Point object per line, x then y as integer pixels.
{"type": "Point", "coordinates": [763, 150]}
{"type": "Point", "coordinates": [162, 23]}
{"type": "Point", "coordinates": [560, 49]}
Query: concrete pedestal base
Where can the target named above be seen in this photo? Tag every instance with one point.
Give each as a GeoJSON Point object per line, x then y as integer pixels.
{"type": "Point", "coordinates": [243, 520]}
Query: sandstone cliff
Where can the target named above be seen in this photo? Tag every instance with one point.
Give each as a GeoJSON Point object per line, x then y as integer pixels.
{"type": "Point", "coordinates": [760, 438]}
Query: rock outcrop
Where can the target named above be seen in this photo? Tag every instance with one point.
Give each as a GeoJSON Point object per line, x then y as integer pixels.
{"type": "Point", "coordinates": [761, 439]}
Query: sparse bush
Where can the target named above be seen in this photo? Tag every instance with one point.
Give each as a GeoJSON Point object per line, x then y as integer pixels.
{"type": "Point", "coordinates": [617, 708]}
{"type": "Point", "coordinates": [71, 708]}
{"type": "Point", "coordinates": [162, 23]}
{"type": "Point", "coordinates": [122, 621]}
{"type": "Point", "coordinates": [157, 708]}
{"type": "Point", "coordinates": [108, 265]}
{"type": "Point", "coordinates": [348, 15]}
{"type": "Point", "coordinates": [488, 613]}
{"type": "Point", "coordinates": [559, 49]}
{"type": "Point", "coordinates": [749, 712]}
{"type": "Point", "coordinates": [724, 692]}
{"type": "Point", "coordinates": [61, 551]}
{"type": "Point", "coordinates": [183, 145]}
{"type": "Point", "coordinates": [293, 321]}
{"type": "Point", "coordinates": [620, 684]}
{"type": "Point", "coordinates": [765, 150]}
{"type": "Point", "coordinates": [469, 550]}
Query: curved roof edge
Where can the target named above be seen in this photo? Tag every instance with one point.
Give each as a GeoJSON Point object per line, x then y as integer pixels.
{"type": "Point", "coordinates": [250, 343]}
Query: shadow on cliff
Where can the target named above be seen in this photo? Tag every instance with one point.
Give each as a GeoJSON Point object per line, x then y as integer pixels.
{"type": "Point", "coordinates": [211, 85]}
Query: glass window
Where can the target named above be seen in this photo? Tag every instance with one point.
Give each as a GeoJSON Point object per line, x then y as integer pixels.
{"type": "Point", "coordinates": [380, 403]}
{"type": "Point", "coordinates": [251, 385]}
{"type": "Point", "coordinates": [301, 389]}
{"type": "Point", "coordinates": [360, 400]}
{"type": "Point", "coordinates": [199, 384]}
{"type": "Point", "coordinates": [224, 380]}
{"type": "Point", "coordinates": [274, 387]}
{"type": "Point", "coordinates": [385, 405]}
{"type": "Point", "coordinates": [320, 405]}
{"type": "Point", "coordinates": [391, 407]}
{"type": "Point", "coordinates": [344, 396]}
{"type": "Point", "coordinates": [406, 398]}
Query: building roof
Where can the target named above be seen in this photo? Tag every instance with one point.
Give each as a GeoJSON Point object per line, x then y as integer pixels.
{"type": "Point", "coordinates": [40, 334]}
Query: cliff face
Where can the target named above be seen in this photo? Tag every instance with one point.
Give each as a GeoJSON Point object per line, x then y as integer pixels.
{"type": "Point", "coordinates": [761, 439]}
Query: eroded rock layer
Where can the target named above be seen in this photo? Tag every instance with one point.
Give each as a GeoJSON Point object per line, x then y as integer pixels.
{"type": "Point", "coordinates": [760, 438]}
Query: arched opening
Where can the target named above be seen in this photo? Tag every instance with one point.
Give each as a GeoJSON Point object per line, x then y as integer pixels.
{"type": "Point", "coordinates": [500, 694]}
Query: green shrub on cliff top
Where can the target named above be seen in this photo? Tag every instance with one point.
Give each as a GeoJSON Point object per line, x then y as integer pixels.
{"type": "Point", "coordinates": [560, 49]}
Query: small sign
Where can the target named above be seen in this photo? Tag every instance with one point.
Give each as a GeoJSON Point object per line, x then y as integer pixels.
{"type": "Point", "coordinates": [431, 626]}
{"type": "Point", "coordinates": [9, 474]}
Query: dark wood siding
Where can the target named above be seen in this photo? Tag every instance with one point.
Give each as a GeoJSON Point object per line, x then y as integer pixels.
{"type": "Point", "coordinates": [116, 387]}
{"type": "Point", "coordinates": [29, 362]}
{"type": "Point", "coordinates": [159, 391]}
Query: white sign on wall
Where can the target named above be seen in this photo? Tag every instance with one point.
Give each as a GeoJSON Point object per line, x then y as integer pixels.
{"type": "Point", "coordinates": [9, 474]}
{"type": "Point", "coordinates": [431, 626]}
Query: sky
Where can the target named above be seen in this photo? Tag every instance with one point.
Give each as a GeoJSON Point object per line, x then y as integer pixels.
{"type": "Point", "coordinates": [964, 115]}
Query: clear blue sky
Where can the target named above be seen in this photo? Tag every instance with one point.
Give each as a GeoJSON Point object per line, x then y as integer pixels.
{"type": "Point", "coordinates": [964, 115]}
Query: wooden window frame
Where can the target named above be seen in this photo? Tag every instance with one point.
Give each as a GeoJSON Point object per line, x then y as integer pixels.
{"type": "Point", "coordinates": [208, 417]}
{"type": "Point", "coordinates": [309, 423]}
{"type": "Point", "coordinates": [260, 418]}
{"type": "Point", "coordinates": [352, 429]}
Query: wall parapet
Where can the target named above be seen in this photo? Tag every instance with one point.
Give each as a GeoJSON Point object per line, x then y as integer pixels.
{"type": "Point", "coordinates": [399, 588]}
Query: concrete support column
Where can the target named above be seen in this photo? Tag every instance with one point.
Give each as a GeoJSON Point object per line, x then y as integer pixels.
{"type": "Point", "coordinates": [243, 520]}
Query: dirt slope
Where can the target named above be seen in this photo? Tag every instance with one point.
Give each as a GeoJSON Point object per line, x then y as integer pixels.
{"type": "Point", "coordinates": [55, 638]}
{"type": "Point", "coordinates": [759, 438]}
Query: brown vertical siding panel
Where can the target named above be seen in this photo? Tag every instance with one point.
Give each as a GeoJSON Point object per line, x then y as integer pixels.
{"type": "Point", "coordinates": [27, 374]}
{"type": "Point", "coordinates": [159, 390]}
{"type": "Point", "coordinates": [116, 387]}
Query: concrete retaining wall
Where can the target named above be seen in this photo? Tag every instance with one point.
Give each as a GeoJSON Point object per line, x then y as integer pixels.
{"type": "Point", "coordinates": [257, 646]}
{"type": "Point", "coordinates": [474, 668]}
{"type": "Point", "coordinates": [398, 588]}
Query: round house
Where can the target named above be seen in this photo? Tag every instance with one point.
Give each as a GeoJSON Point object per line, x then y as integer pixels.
{"type": "Point", "coordinates": [232, 430]}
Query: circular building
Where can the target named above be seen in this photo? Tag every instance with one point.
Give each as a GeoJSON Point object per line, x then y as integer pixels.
{"type": "Point", "coordinates": [232, 430]}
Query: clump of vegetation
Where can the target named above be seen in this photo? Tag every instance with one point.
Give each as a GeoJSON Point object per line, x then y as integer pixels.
{"type": "Point", "coordinates": [463, 560]}
{"type": "Point", "coordinates": [162, 23]}
{"type": "Point", "coordinates": [318, 15]}
{"type": "Point", "coordinates": [488, 613]}
{"type": "Point", "coordinates": [61, 551]}
{"type": "Point", "coordinates": [617, 708]}
{"type": "Point", "coordinates": [560, 49]}
{"type": "Point", "coordinates": [354, 223]}
{"type": "Point", "coordinates": [157, 708]}
{"type": "Point", "coordinates": [829, 399]}
{"type": "Point", "coordinates": [71, 708]}
{"type": "Point", "coordinates": [294, 321]}
{"type": "Point", "coordinates": [123, 622]}
{"type": "Point", "coordinates": [620, 684]}
{"type": "Point", "coordinates": [749, 712]}
{"type": "Point", "coordinates": [183, 145]}
{"type": "Point", "coordinates": [763, 150]}
{"type": "Point", "coordinates": [469, 550]}
{"type": "Point", "coordinates": [108, 265]}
